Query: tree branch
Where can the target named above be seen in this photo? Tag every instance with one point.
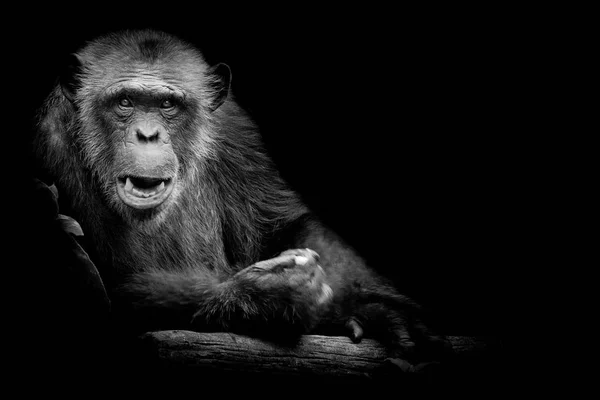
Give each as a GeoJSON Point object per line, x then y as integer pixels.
{"type": "Point", "coordinates": [326, 356]}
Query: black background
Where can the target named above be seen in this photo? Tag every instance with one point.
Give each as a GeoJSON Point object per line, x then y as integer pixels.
{"type": "Point", "coordinates": [402, 129]}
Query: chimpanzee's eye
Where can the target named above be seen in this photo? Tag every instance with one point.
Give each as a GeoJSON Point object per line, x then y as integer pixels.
{"type": "Point", "coordinates": [167, 104]}
{"type": "Point", "coordinates": [125, 102]}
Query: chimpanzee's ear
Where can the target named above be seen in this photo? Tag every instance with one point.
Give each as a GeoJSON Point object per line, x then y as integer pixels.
{"type": "Point", "coordinates": [69, 77]}
{"type": "Point", "coordinates": [220, 83]}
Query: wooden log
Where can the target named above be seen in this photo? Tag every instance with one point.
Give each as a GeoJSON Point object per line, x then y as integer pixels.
{"type": "Point", "coordinates": [325, 356]}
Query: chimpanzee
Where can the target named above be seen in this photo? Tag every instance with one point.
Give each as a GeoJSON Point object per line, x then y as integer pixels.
{"type": "Point", "coordinates": [191, 225]}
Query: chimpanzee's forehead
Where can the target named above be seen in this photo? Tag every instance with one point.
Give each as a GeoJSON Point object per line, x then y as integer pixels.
{"type": "Point", "coordinates": [183, 72]}
{"type": "Point", "coordinates": [167, 71]}
{"type": "Point", "coordinates": [147, 85]}
{"type": "Point", "coordinates": [123, 60]}
{"type": "Point", "coordinates": [155, 77]}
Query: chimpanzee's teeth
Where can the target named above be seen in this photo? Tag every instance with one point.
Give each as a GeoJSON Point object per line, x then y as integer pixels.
{"type": "Point", "coordinates": [128, 185]}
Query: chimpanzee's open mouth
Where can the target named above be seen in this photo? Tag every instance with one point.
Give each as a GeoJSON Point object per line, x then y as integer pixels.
{"type": "Point", "coordinates": [144, 192]}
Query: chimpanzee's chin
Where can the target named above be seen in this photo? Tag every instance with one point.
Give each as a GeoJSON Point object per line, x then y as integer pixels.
{"type": "Point", "coordinates": [149, 219]}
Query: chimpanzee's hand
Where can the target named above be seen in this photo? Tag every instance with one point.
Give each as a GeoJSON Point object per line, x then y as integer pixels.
{"type": "Point", "coordinates": [293, 282]}
{"type": "Point", "coordinates": [397, 321]}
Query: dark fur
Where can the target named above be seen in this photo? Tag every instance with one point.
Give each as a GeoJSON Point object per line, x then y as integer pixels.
{"type": "Point", "coordinates": [182, 270]}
